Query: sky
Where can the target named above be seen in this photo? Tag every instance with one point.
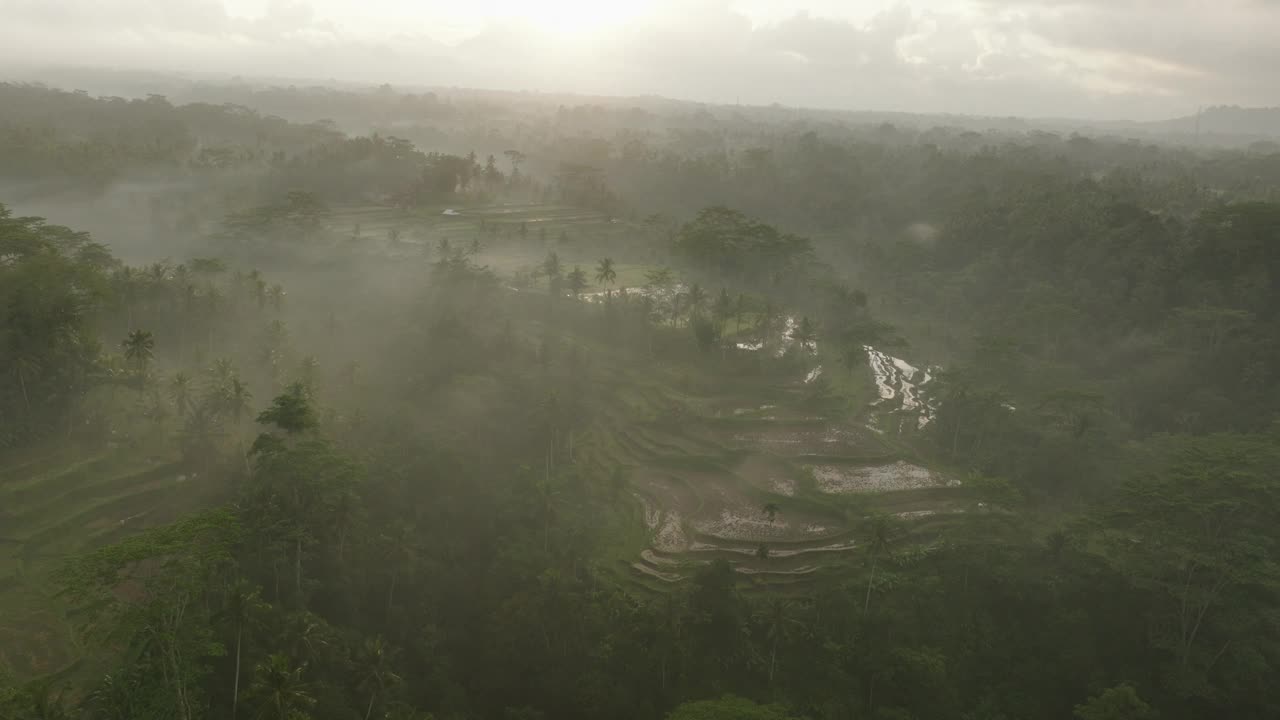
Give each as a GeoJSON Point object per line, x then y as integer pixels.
{"type": "Point", "coordinates": [1097, 59]}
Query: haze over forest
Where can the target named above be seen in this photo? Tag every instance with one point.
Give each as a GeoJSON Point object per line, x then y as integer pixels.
{"type": "Point", "coordinates": [701, 360]}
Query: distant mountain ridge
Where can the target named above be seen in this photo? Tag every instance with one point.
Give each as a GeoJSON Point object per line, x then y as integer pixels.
{"type": "Point", "coordinates": [1219, 125]}
{"type": "Point", "coordinates": [1225, 120]}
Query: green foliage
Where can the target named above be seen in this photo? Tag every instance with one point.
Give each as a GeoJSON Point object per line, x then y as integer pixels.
{"type": "Point", "coordinates": [50, 280]}
{"type": "Point", "coordinates": [147, 593]}
{"type": "Point", "coordinates": [445, 542]}
{"type": "Point", "coordinates": [729, 707]}
{"type": "Point", "coordinates": [291, 411]}
{"type": "Point", "coordinates": [1118, 703]}
{"type": "Point", "coordinates": [727, 241]}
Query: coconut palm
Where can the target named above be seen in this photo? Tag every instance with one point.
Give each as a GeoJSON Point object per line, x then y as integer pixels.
{"type": "Point", "coordinates": [243, 603]}
{"type": "Point", "coordinates": [235, 399]}
{"type": "Point", "coordinates": [221, 371]}
{"type": "Point", "coordinates": [309, 373]}
{"type": "Point", "coordinates": [696, 299]}
{"type": "Point", "coordinates": [739, 310]}
{"type": "Point", "coordinates": [552, 267]}
{"type": "Point", "coordinates": [260, 292]}
{"type": "Point", "coordinates": [881, 534]}
{"type": "Point", "coordinates": [722, 309]}
{"type": "Point", "coordinates": [27, 365]}
{"type": "Point", "coordinates": [276, 293]}
{"type": "Point", "coordinates": [605, 274]}
{"type": "Point", "coordinates": [180, 389]}
{"type": "Point", "coordinates": [139, 348]}
{"type": "Point", "coordinates": [279, 688]}
{"type": "Point", "coordinates": [155, 409]}
{"type": "Point", "coordinates": [576, 281]}
{"type": "Point", "coordinates": [779, 624]}
{"type": "Point", "coordinates": [115, 697]}
{"type": "Point", "coordinates": [804, 335]}
{"type": "Point", "coordinates": [770, 510]}
{"type": "Point", "coordinates": [376, 659]}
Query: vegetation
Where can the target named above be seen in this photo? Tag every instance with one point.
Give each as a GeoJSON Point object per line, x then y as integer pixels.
{"type": "Point", "coordinates": [376, 427]}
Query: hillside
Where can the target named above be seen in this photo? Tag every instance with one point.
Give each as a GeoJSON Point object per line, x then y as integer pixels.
{"type": "Point", "coordinates": [509, 410]}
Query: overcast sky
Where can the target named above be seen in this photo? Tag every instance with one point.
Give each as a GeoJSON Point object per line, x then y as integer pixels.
{"type": "Point", "coordinates": [1138, 59]}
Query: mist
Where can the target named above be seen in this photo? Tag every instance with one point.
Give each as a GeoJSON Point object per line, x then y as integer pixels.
{"type": "Point", "coordinates": [766, 361]}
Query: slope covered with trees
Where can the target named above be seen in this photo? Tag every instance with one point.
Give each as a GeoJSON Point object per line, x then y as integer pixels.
{"type": "Point", "coordinates": [395, 429]}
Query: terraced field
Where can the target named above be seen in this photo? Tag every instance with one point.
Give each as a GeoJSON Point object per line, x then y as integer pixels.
{"type": "Point", "coordinates": [749, 472]}
{"type": "Point", "coordinates": [776, 489]}
{"type": "Point", "coordinates": [57, 503]}
{"type": "Point", "coordinates": [510, 238]}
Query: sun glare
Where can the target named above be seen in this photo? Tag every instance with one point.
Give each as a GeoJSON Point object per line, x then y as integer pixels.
{"type": "Point", "coordinates": [573, 17]}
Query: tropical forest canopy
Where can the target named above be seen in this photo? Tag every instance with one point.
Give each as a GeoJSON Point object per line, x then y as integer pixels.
{"type": "Point", "coordinates": [339, 404]}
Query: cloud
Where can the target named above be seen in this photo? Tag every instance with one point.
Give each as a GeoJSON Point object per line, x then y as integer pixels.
{"type": "Point", "coordinates": [1095, 58]}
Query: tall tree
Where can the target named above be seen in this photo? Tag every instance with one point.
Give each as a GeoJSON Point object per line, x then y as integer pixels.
{"type": "Point", "coordinates": [576, 281]}
{"type": "Point", "coordinates": [139, 348]}
{"type": "Point", "coordinates": [280, 690]}
{"type": "Point", "coordinates": [605, 273]}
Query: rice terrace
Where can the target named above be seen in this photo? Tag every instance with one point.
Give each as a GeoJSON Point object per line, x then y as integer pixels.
{"type": "Point", "coordinates": [322, 400]}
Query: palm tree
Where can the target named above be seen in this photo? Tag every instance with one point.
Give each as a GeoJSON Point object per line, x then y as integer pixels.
{"type": "Point", "coordinates": [739, 309]}
{"type": "Point", "coordinates": [804, 335]}
{"type": "Point", "coordinates": [127, 279]}
{"type": "Point", "coordinates": [156, 410]}
{"type": "Point", "coordinates": [278, 685]}
{"type": "Point", "coordinates": [115, 696]}
{"type": "Point", "coordinates": [242, 604]}
{"type": "Point", "coordinates": [306, 634]}
{"type": "Point", "coordinates": [309, 373]}
{"type": "Point", "coordinates": [551, 266]}
{"type": "Point", "coordinates": [697, 298]}
{"type": "Point", "coordinates": [276, 293]}
{"type": "Point", "coordinates": [765, 322]}
{"type": "Point", "coordinates": [26, 365]}
{"type": "Point", "coordinates": [139, 348]}
{"type": "Point", "coordinates": [882, 533]}
{"type": "Point", "coordinates": [577, 281]}
{"type": "Point", "coordinates": [605, 274]}
{"type": "Point", "coordinates": [180, 387]}
{"type": "Point", "coordinates": [770, 510]}
{"type": "Point", "coordinates": [762, 552]}
{"type": "Point", "coordinates": [260, 292]}
{"type": "Point", "coordinates": [722, 310]}
{"type": "Point", "coordinates": [221, 371]}
{"type": "Point", "coordinates": [778, 620]}
{"type": "Point", "coordinates": [235, 399]}
{"type": "Point", "coordinates": [376, 659]}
